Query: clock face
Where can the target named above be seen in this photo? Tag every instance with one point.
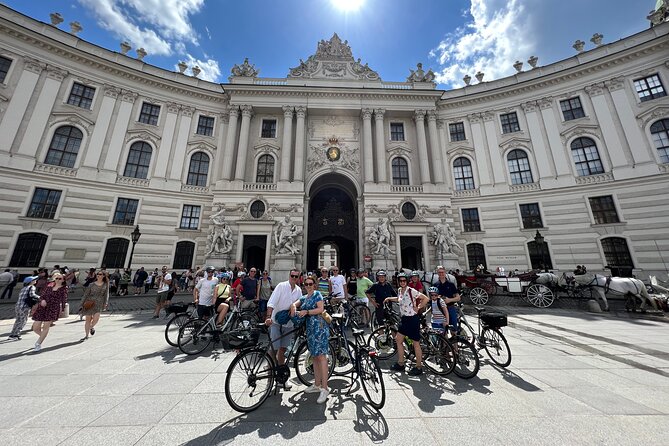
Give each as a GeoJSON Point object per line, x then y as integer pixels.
{"type": "Point", "coordinates": [333, 153]}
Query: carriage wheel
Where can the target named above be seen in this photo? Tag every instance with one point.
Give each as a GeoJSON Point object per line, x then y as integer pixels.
{"type": "Point", "coordinates": [478, 296]}
{"type": "Point", "coordinates": [540, 296]}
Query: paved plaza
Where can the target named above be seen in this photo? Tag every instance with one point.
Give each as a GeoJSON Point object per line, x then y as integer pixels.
{"type": "Point", "coordinates": [575, 378]}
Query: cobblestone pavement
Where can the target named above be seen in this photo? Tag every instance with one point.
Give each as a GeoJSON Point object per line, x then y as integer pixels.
{"type": "Point", "coordinates": [575, 378]}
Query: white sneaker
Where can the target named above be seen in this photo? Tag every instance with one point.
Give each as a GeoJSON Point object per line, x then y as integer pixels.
{"type": "Point", "coordinates": [38, 347]}
{"type": "Point", "coordinates": [312, 389]}
{"type": "Point", "coordinates": [323, 396]}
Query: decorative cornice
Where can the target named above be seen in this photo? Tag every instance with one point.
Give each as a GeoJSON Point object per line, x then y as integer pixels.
{"type": "Point", "coordinates": [398, 151]}
{"type": "Point", "coordinates": [617, 83]}
{"type": "Point", "coordinates": [111, 91]}
{"type": "Point", "coordinates": [581, 130]}
{"type": "Point", "coordinates": [594, 179]}
{"type": "Point", "coordinates": [529, 107]}
{"type": "Point", "coordinates": [135, 182]}
{"type": "Point", "coordinates": [529, 187]}
{"type": "Point", "coordinates": [130, 96]}
{"type": "Point", "coordinates": [173, 107]}
{"type": "Point", "coordinates": [55, 170]}
{"type": "Point", "coordinates": [187, 111]}
{"type": "Point", "coordinates": [488, 116]}
{"type": "Point", "coordinates": [468, 193]}
{"type": "Point", "coordinates": [194, 189]}
{"type": "Point", "coordinates": [142, 135]}
{"type": "Point", "coordinates": [595, 89]}
{"type": "Point", "coordinates": [56, 73]}
{"type": "Point", "coordinates": [516, 142]}
{"type": "Point", "coordinates": [652, 114]}
{"type": "Point", "coordinates": [545, 103]}
{"type": "Point", "coordinates": [71, 118]}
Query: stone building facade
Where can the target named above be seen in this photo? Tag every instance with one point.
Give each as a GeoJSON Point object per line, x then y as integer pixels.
{"type": "Point", "coordinates": [265, 172]}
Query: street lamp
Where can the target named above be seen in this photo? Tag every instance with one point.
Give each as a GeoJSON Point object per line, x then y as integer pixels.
{"type": "Point", "coordinates": [539, 242]}
{"type": "Point", "coordinates": [135, 235]}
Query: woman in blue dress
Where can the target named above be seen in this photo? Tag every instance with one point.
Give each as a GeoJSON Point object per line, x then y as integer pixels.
{"type": "Point", "coordinates": [318, 332]}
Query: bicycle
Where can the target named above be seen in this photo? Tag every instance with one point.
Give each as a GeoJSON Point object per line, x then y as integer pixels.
{"type": "Point", "coordinates": [196, 334]}
{"type": "Point", "coordinates": [355, 314]}
{"type": "Point", "coordinates": [489, 335]}
{"type": "Point", "coordinates": [181, 316]}
{"type": "Point", "coordinates": [251, 375]}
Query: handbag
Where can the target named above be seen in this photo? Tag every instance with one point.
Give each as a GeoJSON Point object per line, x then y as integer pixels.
{"type": "Point", "coordinates": [326, 317]}
{"type": "Point", "coordinates": [88, 304]}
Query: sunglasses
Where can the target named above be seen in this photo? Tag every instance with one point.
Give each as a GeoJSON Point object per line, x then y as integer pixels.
{"type": "Point", "coordinates": [434, 295]}
{"type": "Point", "coordinates": [294, 276]}
{"type": "Point", "coordinates": [401, 280]}
{"type": "Point", "coordinates": [309, 284]}
{"type": "Point", "coordinates": [99, 274]}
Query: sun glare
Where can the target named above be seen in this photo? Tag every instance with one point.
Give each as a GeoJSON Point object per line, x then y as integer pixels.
{"type": "Point", "coordinates": [348, 5]}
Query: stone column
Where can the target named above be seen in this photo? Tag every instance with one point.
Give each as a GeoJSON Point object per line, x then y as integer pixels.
{"type": "Point", "coordinates": [97, 141]}
{"type": "Point", "coordinates": [448, 180]}
{"type": "Point", "coordinates": [381, 165]}
{"type": "Point", "coordinates": [482, 164]}
{"type": "Point", "coordinates": [165, 150]}
{"type": "Point", "coordinates": [419, 118]}
{"type": "Point", "coordinates": [557, 150]}
{"type": "Point", "coordinates": [179, 157]}
{"type": "Point", "coordinates": [496, 161]}
{"type": "Point", "coordinates": [242, 151]}
{"type": "Point", "coordinates": [540, 151]}
{"type": "Point", "coordinates": [18, 104]}
{"type": "Point", "coordinates": [42, 110]}
{"type": "Point", "coordinates": [609, 131]}
{"type": "Point", "coordinates": [368, 157]}
{"type": "Point", "coordinates": [230, 140]}
{"type": "Point", "coordinates": [118, 135]}
{"type": "Point", "coordinates": [286, 145]}
{"type": "Point", "coordinates": [223, 119]}
{"type": "Point", "coordinates": [300, 137]}
{"type": "Point", "coordinates": [435, 146]}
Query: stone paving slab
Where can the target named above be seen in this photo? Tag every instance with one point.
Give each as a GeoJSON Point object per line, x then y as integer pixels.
{"type": "Point", "coordinates": [575, 378]}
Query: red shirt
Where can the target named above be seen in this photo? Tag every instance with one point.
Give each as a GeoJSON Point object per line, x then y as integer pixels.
{"type": "Point", "coordinates": [416, 285]}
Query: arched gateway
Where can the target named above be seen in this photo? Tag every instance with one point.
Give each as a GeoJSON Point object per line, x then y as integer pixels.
{"type": "Point", "coordinates": [332, 221]}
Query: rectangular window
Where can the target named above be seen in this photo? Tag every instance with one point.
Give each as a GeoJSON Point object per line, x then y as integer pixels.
{"type": "Point", "coordinates": [205, 126]}
{"type": "Point", "coordinates": [81, 96]}
{"type": "Point", "coordinates": [572, 109]}
{"type": "Point", "coordinates": [149, 114]}
{"type": "Point", "coordinates": [44, 204]}
{"type": "Point", "coordinates": [649, 87]}
{"type": "Point", "coordinates": [604, 210]}
{"type": "Point", "coordinates": [457, 131]}
{"type": "Point", "coordinates": [268, 128]}
{"type": "Point", "coordinates": [126, 208]}
{"type": "Point", "coordinates": [509, 122]}
{"type": "Point", "coordinates": [470, 220]}
{"type": "Point", "coordinates": [4, 68]}
{"type": "Point", "coordinates": [396, 131]}
{"type": "Point", "coordinates": [531, 216]}
{"type": "Point", "coordinates": [190, 217]}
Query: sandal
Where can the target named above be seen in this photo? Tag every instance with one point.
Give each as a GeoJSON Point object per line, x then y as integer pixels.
{"type": "Point", "coordinates": [92, 331]}
{"type": "Point", "coordinates": [83, 339]}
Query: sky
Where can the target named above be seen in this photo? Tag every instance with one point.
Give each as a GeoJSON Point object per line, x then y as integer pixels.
{"type": "Point", "coordinates": [452, 37]}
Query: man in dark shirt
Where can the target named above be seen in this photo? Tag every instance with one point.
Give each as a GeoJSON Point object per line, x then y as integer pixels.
{"type": "Point", "coordinates": [449, 293]}
{"type": "Point", "coordinates": [249, 289]}
{"type": "Point", "coordinates": [378, 293]}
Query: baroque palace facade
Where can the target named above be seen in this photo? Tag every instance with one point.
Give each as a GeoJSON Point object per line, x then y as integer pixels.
{"type": "Point", "coordinates": [331, 161]}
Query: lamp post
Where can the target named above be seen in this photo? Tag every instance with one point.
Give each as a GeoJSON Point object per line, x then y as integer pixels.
{"type": "Point", "coordinates": [539, 241]}
{"type": "Point", "coordinates": [135, 235]}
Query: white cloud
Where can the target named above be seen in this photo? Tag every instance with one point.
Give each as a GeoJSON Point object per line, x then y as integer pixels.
{"type": "Point", "coordinates": [210, 69]}
{"type": "Point", "coordinates": [159, 26]}
{"type": "Point", "coordinates": [497, 34]}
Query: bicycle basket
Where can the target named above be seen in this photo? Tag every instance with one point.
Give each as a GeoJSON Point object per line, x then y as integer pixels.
{"type": "Point", "coordinates": [177, 308]}
{"type": "Point", "coordinates": [493, 319]}
{"type": "Point", "coordinates": [238, 339]}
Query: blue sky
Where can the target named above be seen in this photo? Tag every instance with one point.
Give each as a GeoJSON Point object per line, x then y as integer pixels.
{"type": "Point", "coordinates": [453, 37]}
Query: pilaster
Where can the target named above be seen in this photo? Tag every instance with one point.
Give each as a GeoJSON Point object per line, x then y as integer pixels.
{"type": "Point", "coordinates": [286, 141]}
{"type": "Point", "coordinates": [368, 158]}
{"type": "Point", "coordinates": [300, 137]}
{"type": "Point", "coordinates": [242, 151]}
{"type": "Point", "coordinates": [435, 148]}
{"type": "Point", "coordinates": [419, 119]}
{"type": "Point", "coordinates": [230, 140]}
{"type": "Point", "coordinates": [19, 103]}
{"type": "Point", "coordinates": [381, 164]}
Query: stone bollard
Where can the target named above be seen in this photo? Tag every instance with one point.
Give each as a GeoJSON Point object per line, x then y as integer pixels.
{"type": "Point", "coordinates": [593, 306]}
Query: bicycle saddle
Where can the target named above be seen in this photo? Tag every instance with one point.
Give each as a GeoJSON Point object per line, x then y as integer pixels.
{"type": "Point", "coordinates": [358, 332]}
{"type": "Point", "coordinates": [337, 316]}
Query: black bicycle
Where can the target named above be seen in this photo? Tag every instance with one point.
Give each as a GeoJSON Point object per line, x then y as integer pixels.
{"type": "Point", "coordinates": [251, 375]}
{"type": "Point", "coordinates": [489, 334]}
{"type": "Point", "coordinates": [181, 313]}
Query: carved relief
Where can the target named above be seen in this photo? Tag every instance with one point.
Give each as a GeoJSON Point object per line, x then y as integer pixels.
{"type": "Point", "coordinates": [581, 130]}
{"type": "Point", "coordinates": [529, 107]}
{"type": "Point", "coordinates": [244, 70]}
{"type": "Point", "coordinates": [653, 114]}
{"type": "Point", "coordinates": [144, 135]}
{"type": "Point", "coordinates": [71, 118]}
{"type": "Point", "coordinates": [595, 89]}
{"type": "Point", "coordinates": [617, 83]}
{"type": "Point", "coordinates": [56, 73]}
{"type": "Point", "coordinates": [349, 158]}
{"type": "Point", "coordinates": [111, 91]}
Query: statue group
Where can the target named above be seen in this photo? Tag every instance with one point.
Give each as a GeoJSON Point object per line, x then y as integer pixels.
{"type": "Point", "coordinates": [381, 237]}
{"type": "Point", "coordinates": [285, 237]}
{"type": "Point", "coordinates": [444, 240]}
{"type": "Point", "coordinates": [220, 235]}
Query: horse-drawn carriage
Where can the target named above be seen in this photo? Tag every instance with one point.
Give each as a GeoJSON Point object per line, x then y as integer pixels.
{"type": "Point", "coordinates": [479, 287]}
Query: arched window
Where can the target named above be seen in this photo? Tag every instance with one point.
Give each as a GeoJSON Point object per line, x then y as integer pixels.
{"type": "Point", "coordinates": [183, 255]}
{"type": "Point", "coordinates": [519, 167]}
{"type": "Point", "coordinates": [198, 169]}
{"type": "Point", "coordinates": [586, 157]}
{"type": "Point", "coordinates": [28, 250]}
{"type": "Point", "coordinates": [463, 174]}
{"type": "Point", "coordinates": [616, 252]}
{"type": "Point", "coordinates": [115, 253]}
{"type": "Point", "coordinates": [265, 171]}
{"type": "Point", "coordinates": [540, 257]}
{"type": "Point", "coordinates": [139, 159]}
{"type": "Point", "coordinates": [400, 171]}
{"type": "Point", "coordinates": [475, 255]}
{"type": "Point", "coordinates": [64, 146]}
{"type": "Point", "coordinates": [660, 132]}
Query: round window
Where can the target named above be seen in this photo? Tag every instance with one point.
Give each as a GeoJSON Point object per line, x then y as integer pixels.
{"type": "Point", "coordinates": [257, 209]}
{"type": "Point", "coordinates": [409, 211]}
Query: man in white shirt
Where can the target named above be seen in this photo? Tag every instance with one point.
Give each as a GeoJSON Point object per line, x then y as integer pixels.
{"type": "Point", "coordinates": [163, 297]}
{"type": "Point", "coordinates": [204, 294]}
{"type": "Point", "coordinates": [338, 284]}
{"type": "Point", "coordinates": [282, 297]}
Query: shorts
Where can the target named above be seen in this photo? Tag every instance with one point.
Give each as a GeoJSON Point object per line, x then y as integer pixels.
{"type": "Point", "coordinates": [453, 318]}
{"type": "Point", "coordinates": [219, 301]}
{"type": "Point", "coordinates": [438, 327]}
{"type": "Point", "coordinates": [262, 306]}
{"type": "Point", "coordinates": [275, 333]}
{"type": "Point", "coordinates": [246, 304]}
{"type": "Point", "coordinates": [205, 310]}
{"type": "Point", "coordinates": [361, 300]}
{"type": "Point", "coordinates": [410, 327]}
{"type": "Point", "coordinates": [163, 296]}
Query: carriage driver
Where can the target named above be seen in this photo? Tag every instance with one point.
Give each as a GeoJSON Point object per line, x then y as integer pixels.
{"type": "Point", "coordinates": [449, 293]}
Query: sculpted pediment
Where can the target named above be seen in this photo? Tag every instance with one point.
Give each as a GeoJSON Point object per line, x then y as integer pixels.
{"type": "Point", "coordinates": [71, 118]}
{"type": "Point", "coordinates": [333, 60]}
{"type": "Point", "coordinates": [516, 142]}
{"type": "Point", "coordinates": [143, 134]}
{"type": "Point", "coordinates": [656, 112]}
{"type": "Point", "coordinates": [580, 130]}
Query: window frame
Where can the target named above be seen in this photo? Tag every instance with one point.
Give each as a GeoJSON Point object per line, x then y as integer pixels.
{"type": "Point", "coordinates": [392, 134]}
{"type": "Point", "coordinates": [275, 130]}
{"type": "Point", "coordinates": [16, 252]}
{"type": "Point", "coordinates": [148, 166]}
{"type": "Point", "coordinates": [112, 220]}
{"type": "Point", "coordinates": [505, 126]}
{"type": "Point", "coordinates": [198, 174]}
{"type": "Point", "coordinates": [529, 218]}
{"type": "Point", "coordinates": [627, 245]}
{"type": "Point", "coordinates": [469, 258]}
{"type": "Point", "coordinates": [581, 166]}
{"type": "Point", "coordinates": [81, 96]}
{"type": "Point", "coordinates": [190, 218]}
{"type": "Point", "coordinates": [464, 178]}
{"type": "Point", "coordinates": [451, 133]}
{"type": "Point", "coordinates": [652, 95]}
{"type": "Point", "coordinates": [252, 211]}
{"type": "Point", "coordinates": [664, 122]}
{"type": "Point", "coordinates": [258, 165]}
{"type": "Point", "coordinates": [103, 252]}
{"type": "Point", "coordinates": [401, 178]}
{"type": "Point", "coordinates": [520, 172]}
{"type": "Point", "coordinates": [593, 214]}
{"type": "Point", "coordinates": [56, 206]}
{"type": "Point", "coordinates": [10, 68]}
{"type": "Point", "coordinates": [465, 223]}
{"type": "Point", "coordinates": [174, 259]}
{"type": "Point", "coordinates": [149, 115]}
{"type": "Point", "coordinates": [200, 126]}
{"type": "Point", "coordinates": [534, 253]}
{"type": "Point", "coordinates": [572, 109]}
{"type": "Point", "coordinates": [63, 151]}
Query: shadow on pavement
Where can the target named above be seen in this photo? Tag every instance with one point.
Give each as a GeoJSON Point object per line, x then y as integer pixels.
{"type": "Point", "coordinates": [44, 349]}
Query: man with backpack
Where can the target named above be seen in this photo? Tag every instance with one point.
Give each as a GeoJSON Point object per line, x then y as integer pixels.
{"type": "Point", "coordinates": [165, 292]}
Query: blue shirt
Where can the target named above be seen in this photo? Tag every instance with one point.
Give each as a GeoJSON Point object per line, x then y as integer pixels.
{"type": "Point", "coordinates": [447, 289]}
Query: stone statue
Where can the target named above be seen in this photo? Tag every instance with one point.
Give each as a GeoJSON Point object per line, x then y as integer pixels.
{"type": "Point", "coordinates": [444, 239]}
{"type": "Point", "coordinates": [218, 217]}
{"type": "Point", "coordinates": [244, 70]}
{"type": "Point", "coordinates": [450, 239]}
{"type": "Point", "coordinates": [219, 240]}
{"type": "Point", "coordinates": [381, 237]}
{"type": "Point", "coordinates": [419, 75]}
{"type": "Point", "coordinates": [285, 237]}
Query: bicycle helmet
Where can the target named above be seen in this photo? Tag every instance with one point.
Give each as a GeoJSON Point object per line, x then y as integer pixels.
{"type": "Point", "coordinates": [380, 273]}
{"type": "Point", "coordinates": [241, 274]}
{"type": "Point", "coordinates": [415, 273]}
{"type": "Point", "coordinates": [401, 275]}
{"type": "Point", "coordinates": [433, 290]}
{"type": "Point", "coordinates": [211, 269]}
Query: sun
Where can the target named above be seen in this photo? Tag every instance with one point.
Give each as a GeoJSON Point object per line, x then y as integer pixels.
{"type": "Point", "coordinates": [347, 5]}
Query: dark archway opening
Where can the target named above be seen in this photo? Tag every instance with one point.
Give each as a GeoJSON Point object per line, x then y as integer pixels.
{"type": "Point", "coordinates": [411, 249]}
{"type": "Point", "coordinates": [254, 251]}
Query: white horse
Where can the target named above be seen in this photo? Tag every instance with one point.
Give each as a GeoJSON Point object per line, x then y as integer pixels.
{"type": "Point", "coordinates": [625, 286]}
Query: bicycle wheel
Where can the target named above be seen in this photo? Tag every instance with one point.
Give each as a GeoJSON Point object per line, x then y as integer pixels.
{"type": "Point", "coordinates": [383, 340]}
{"type": "Point", "coordinates": [194, 337]}
{"type": "Point", "coordinates": [173, 326]}
{"type": "Point", "coordinates": [438, 355]}
{"type": "Point", "coordinates": [249, 380]}
{"type": "Point", "coordinates": [360, 316]}
{"type": "Point", "coordinates": [371, 379]}
{"type": "Point", "coordinates": [466, 331]}
{"type": "Point", "coordinates": [304, 364]}
{"type": "Point", "coordinates": [343, 363]}
{"type": "Point", "coordinates": [245, 321]}
{"type": "Point", "coordinates": [466, 358]}
{"type": "Point", "coordinates": [496, 346]}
